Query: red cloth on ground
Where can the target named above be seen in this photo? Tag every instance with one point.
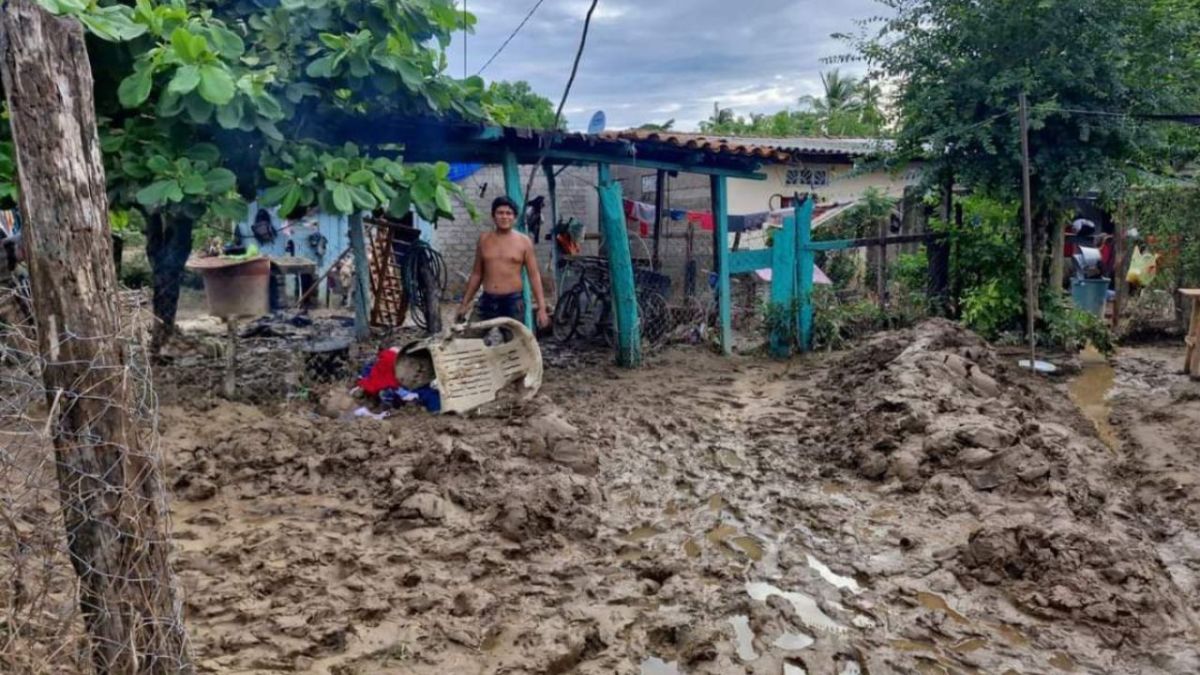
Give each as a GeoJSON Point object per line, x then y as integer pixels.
{"type": "Point", "coordinates": [382, 375]}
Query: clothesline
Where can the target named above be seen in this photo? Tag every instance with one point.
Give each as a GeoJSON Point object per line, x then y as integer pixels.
{"type": "Point", "coordinates": [644, 215]}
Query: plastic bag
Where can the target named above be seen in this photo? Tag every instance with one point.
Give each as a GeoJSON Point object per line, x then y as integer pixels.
{"type": "Point", "coordinates": [1142, 268]}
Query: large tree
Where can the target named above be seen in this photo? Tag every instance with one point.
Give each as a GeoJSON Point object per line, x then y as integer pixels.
{"type": "Point", "coordinates": [205, 105]}
{"type": "Point", "coordinates": [848, 107]}
{"type": "Point", "coordinates": [1088, 68]}
{"type": "Point", "coordinates": [518, 105]}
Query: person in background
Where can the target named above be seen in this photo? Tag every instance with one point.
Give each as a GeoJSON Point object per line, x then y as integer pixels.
{"type": "Point", "coordinates": [500, 257]}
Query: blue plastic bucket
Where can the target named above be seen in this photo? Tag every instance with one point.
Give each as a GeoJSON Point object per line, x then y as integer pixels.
{"type": "Point", "coordinates": [1089, 295]}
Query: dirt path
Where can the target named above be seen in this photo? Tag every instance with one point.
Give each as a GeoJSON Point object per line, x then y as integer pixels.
{"type": "Point", "coordinates": [913, 506]}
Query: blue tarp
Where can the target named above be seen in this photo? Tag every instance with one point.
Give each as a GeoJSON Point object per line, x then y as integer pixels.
{"type": "Point", "coordinates": [459, 172]}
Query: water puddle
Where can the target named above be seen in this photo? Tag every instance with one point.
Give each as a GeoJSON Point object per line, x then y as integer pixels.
{"type": "Point", "coordinates": [1011, 635]}
{"type": "Point", "coordinates": [743, 638]}
{"type": "Point", "coordinates": [805, 607]}
{"type": "Point", "coordinates": [971, 645]}
{"type": "Point", "coordinates": [1090, 391]}
{"type": "Point", "coordinates": [730, 540]}
{"type": "Point", "coordinates": [1063, 662]}
{"type": "Point", "coordinates": [730, 459]}
{"type": "Point", "coordinates": [656, 666]}
{"type": "Point", "coordinates": [493, 639]}
{"type": "Point", "coordinates": [793, 642]}
{"type": "Point", "coordinates": [913, 646]}
{"type": "Point", "coordinates": [833, 578]}
{"type": "Point", "coordinates": [938, 604]}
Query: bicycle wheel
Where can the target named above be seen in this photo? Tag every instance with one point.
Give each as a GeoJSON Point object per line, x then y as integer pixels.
{"type": "Point", "coordinates": [655, 317]}
{"type": "Point", "coordinates": [566, 315]}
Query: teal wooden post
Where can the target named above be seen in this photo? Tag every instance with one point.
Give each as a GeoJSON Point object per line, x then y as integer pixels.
{"type": "Point", "coordinates": [783, 287]}
{"type": "Point", "coordinates": [362, 277]}
{"type": "Point", "coordinates": [620, 271]}
{"type": "Point", "coordinates": [512, 187]}
{"type": "Point", "coordinates": [806, 261]}
{"type": "Point", "coordinates": [551, 187]}
{"type": "Point", "coordinates": [720, 207]}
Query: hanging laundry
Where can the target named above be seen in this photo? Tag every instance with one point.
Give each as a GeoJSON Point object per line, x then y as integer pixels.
{"type": "Point", "coordinates": [703, 219]}
{"type": "Point", "coordinates": [678, 214]}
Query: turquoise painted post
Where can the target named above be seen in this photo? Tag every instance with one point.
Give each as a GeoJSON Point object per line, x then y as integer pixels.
{"type": "Point", "coordinates": [512, 187]}
{"type": "Point", "coordinates": [720, 207]}
{"type": "Point", "coordinates": [783, 287]}
{"type": "Point", "coordinates": [552, 188]}
{"type": "Point", "coordinates": [620, 271]}
{"type": "Point", "coordinates": [362, 277]}
{"type": "Point", "coordinates": [806, 261]}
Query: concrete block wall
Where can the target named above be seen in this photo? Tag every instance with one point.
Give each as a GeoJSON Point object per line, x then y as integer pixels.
{"type": "Point", "coordinates": [456, 239]}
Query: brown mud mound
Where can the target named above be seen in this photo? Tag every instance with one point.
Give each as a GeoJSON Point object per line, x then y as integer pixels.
{"type": "Point", "coordinates": [1064, 573]}
{"type": "Point", "coordinates": [1005, 500]}
{"type": "Point", "coordinates": [936, 400]}
{"type": "Point", "coordinates": [302, 534]}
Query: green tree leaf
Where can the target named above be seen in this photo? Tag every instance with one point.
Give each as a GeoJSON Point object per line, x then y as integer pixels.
{"type": "Point", "coordinates": [193, 184]}
{"type": "Point", "coordinates": [159, 164]}
{"type": "Point", "coordinates": [204, 152]}
{"type": "Point", "coordinates": [135, 89]}
{"type": "Point", "coordinates": [113, 24]}
{"type": "Point", "coordinates": [342, 201]}
{"type": "Point", "coordinates": [220, 180]}
{"type": "Point", "coordinates": [322, 67]}
{"type": "Point", "coordinates": [229, 116]}
{"type": "Point", "coordinates": [216, 84]}
{"type": "Point", "coordinates": [228, 43]}
{"type": "Point", "coordinates": [160, 192]}
{"type": "Point", "coordinates": [186, 78]}
{"type": "Point", "coordinates": [363, 199]}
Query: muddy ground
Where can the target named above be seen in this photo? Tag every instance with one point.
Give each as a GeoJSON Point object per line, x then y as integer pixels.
{"type": "Point", "coordinates": [914, 505]}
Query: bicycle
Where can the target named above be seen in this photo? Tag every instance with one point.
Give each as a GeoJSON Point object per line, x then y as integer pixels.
{"type": "Point", "coordinates": [584, 310]}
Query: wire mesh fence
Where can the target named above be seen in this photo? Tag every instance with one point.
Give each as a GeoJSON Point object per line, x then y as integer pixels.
{"type": "Point", "coordinates": [84, 523]}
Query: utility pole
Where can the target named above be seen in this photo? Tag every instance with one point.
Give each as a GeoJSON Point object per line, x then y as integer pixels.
{"type": "Point", "coordinates": [1030, 291]}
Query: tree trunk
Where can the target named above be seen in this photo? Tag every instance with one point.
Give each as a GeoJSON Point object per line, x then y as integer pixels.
{"type": "Point", "coordinates": [111, 495]}
{"type": "Point", "coordinates": [168, 245]}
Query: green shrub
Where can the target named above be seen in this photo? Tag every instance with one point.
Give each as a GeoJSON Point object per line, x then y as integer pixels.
{"type": "Point", "coordinates": [993, 307]}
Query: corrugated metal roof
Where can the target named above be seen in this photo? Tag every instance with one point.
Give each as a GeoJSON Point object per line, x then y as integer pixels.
{"type": "Point", "coordinates": [772, 149]}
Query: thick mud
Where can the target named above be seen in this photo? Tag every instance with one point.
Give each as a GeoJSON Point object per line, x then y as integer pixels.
{"type": "Point", "coordinates": [915, 505]}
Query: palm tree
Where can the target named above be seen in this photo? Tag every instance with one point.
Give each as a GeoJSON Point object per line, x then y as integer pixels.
{"type": "Point", "coordinates": [720, 121]}
{"type": "Point", "coordinates": [665, 126]}
{"type": "Point", "coordinates": [842, 101]}
{"type": "Point", "coordinates": [841, 95]}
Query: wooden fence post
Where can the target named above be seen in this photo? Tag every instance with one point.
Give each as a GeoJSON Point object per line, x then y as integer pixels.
{"type": "Point", "coordinates": [111, 491]}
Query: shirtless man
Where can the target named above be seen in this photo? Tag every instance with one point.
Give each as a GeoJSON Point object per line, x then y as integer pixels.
{"type": "Point", "coordinates": [499, 259]}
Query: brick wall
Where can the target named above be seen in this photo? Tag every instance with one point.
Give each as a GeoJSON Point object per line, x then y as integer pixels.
{"type": "Point", "coordinates": [455, 239]}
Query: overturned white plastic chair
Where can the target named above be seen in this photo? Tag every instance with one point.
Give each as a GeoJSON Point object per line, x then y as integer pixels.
{"type": "Point", "coordinates": [469, 372]}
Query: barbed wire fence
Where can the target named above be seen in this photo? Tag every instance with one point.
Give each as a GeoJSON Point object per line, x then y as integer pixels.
{"type": "Point", "coordinates": [65, 528]}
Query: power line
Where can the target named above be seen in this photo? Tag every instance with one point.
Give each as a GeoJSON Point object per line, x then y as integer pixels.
{"type": "Point", "coordinates": [587, 23]}
{"type": "Point", "coordinates": [513, 35]}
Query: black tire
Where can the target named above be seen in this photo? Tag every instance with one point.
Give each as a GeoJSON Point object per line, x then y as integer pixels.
{"type": "Point", "coordinates": [565, 323]}
{"type": "Point", "coordinates": [655, 317]}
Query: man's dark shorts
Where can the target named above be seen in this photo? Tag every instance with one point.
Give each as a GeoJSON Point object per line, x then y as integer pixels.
{"type": "Point", "coordinates": [511, 305]}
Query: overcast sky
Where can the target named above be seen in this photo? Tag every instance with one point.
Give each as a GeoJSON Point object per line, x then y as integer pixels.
{"type": "Point", "coordinates": [651, 60]}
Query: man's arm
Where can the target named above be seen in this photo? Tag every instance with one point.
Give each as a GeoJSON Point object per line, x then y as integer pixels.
{"type": "Point", "coordinates": [474, 281]}
{"type": "Point", "coordinates": [535, 280]}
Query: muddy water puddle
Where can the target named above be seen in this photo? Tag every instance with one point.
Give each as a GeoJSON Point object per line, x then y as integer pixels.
{"type": "Point", "coordinates": [656, 666]}
{"type": "Point", "coordinates": [1090, 390]}
{"type": "Point", "coordinates": [804, 606]}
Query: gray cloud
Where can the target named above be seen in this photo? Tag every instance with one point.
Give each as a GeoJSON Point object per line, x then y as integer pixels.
{"type": "Point", "coordinates": [647, 60]}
